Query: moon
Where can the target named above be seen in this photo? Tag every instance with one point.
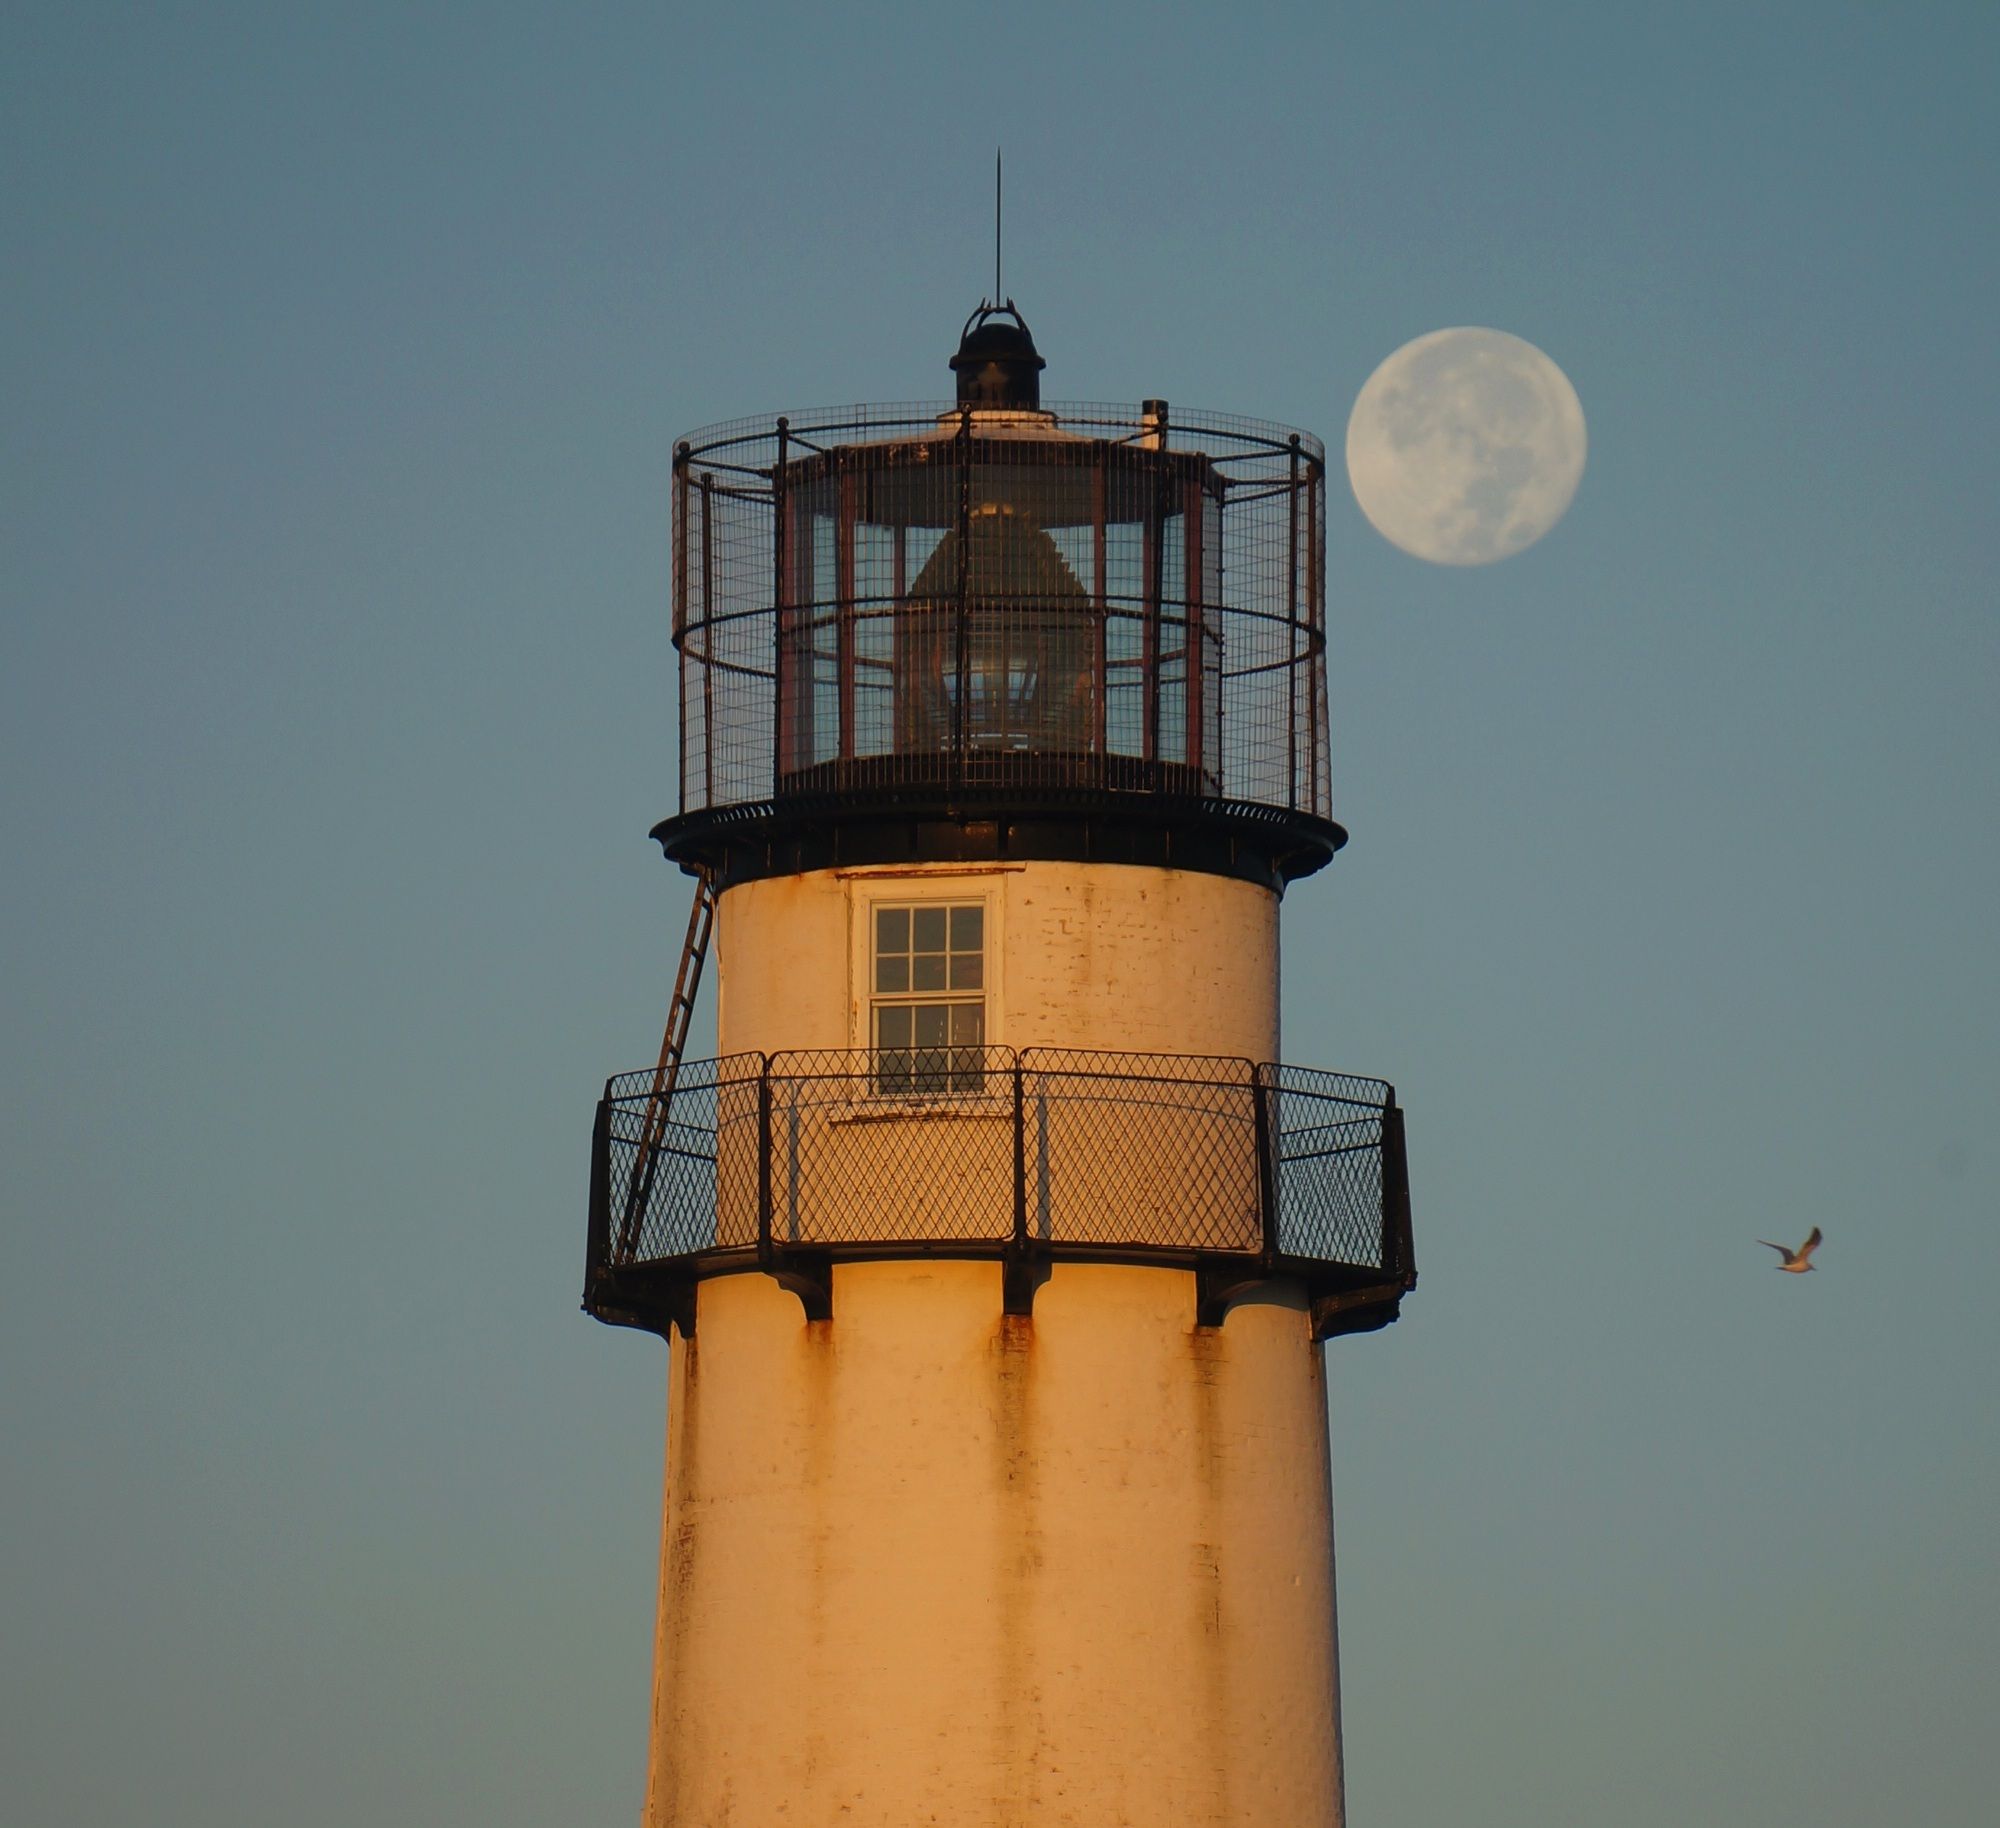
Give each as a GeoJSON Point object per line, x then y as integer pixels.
{"type": "Point", "coordinates": [1466, 446]}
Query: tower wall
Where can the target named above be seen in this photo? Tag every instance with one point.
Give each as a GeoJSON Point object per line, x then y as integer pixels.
{"type": "Point", "coordinates": [1086, 955]}
{"type": "Point", "coordinates": [927, 1562]}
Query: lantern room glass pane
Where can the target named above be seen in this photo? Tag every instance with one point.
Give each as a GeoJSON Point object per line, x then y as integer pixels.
{"type": "Point", "coordinates": [1050, 600]}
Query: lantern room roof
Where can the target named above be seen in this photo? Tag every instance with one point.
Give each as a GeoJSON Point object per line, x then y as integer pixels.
{"type": "Point", "coordinates": [997, 363]}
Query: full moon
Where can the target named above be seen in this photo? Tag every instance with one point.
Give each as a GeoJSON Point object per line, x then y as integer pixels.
{"type": "Point", "coordinates": [1465, 446]}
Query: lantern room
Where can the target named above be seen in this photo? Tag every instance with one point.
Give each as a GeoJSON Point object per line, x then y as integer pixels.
{"type": "Point", "coordinates": [951, 630]}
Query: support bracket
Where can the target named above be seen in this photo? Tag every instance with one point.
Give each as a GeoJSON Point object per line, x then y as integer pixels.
{"type": "Point", "coordinates": [659, 1305]}
{"type": "Point", "coordinates": [1021, 1274]}
{"type": "Point", "coordinates": [808, 1274]}
{"type": "Point", "coordinates": [1356, 1310]}
{"type": "Point", "coordinates": [1218, 1287]}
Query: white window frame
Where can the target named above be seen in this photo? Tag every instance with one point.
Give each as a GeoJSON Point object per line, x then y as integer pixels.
{"type": "Point", "coordinates": [915, 889]}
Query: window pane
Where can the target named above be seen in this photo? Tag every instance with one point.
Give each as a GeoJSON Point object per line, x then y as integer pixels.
{"type": "Point", "coordinates": [968, 1058]}
{"type": "Point", "coordinates": [929, 973]}
{"type": "Point", "coordinates": [967, 929]}
{"type": "Point", "coordinates": [892, 1027]}
{"type": "Point", "coordinates": [893, 973]}
{"type": "Point", "coordinates": [932, 1023]}
{"type": "Point", "coordinates": [892, 929]}
{"type": "Point", "coordinates": [965, 971]}
{"type": "Point", "coordinates": [927, 928]}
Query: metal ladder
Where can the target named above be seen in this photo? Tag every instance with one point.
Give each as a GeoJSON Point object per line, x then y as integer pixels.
{"type": "Point", "coordinates": [666, 1075]}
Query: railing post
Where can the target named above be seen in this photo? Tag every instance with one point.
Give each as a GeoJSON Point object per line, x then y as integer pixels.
{"type": "Point", "coordinates": [681, 601]}
{"type": "Point", "coordinates": [1153, 567]}
{"type": "Point", "coordinates": [843, 586]}
{"type": "Point", "coordinates": [1315, 553]}
{"type": "Point", "coordinates": [1292, 630]}
{"type": "Point", "coordinates": [1398, 1250]}
{"type": "Point", "coordinates": [1020, 1161]}
{"type": "Point", "coordinates": [784, 743]}
{"type": "Point", "coordinates": [1023, 1268]}
{"type": "Point", "coordinates": [597, 1242]}
{"type": "Point", "coordinates": [764, 1160]}
{"type": "Point", "coordinates": [709, 796]}
{"type": "Point", "coordinates": [1044, 1219]}
{"type": "Point", "coordinates": [792, 1166]}
{"type": "Point", "coordinates": [1267, 1173]}
{"type": "Point", "coordinates": [1192, 634]}
{"type": "Point", "coordinates": [961, 614]}
{"type": "Point", "coordinates": [1100, 655]}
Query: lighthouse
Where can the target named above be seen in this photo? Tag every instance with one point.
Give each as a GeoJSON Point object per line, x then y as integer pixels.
{"type": "Point", "coordinates": [995, 1245]}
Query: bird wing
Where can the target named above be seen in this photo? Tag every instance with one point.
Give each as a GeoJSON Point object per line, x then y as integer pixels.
{"type": "Point", "coordinates": [1810, 1245]}
{"type": "Point", "coordinates": [1783, 1250]}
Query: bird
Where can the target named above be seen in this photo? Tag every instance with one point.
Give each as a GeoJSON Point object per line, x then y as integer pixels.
{"type": "Point", "coordinates": [1797, 1262]}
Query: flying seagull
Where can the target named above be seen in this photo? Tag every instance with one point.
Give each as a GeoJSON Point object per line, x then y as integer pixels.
{"type": "Point", "coordinates": [1796, 1261]}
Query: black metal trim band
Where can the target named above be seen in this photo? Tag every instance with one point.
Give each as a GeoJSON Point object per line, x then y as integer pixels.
{"type": "Point", "coordinates": [661, 1297]}
{"type": "Point", "coordinates": [1265, 845]}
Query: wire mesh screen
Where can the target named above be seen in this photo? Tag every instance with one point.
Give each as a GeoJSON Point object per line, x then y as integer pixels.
{"type": "Point", "coordinates": [1328, 1131]}
{"type": "Point", "coordinates": [1082, 597]}
{"type": "Point", "coordinates": [851, 1164]}
{"type": "Point", "coordinates": [665, 1188]}
{"type": "Point", "coordinates": [1105, 1153]}
{"type": "Point", "coordinates": [1141, 1149]}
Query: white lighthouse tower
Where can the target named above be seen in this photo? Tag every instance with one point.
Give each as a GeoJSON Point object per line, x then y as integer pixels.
{"type": "Point", "coordinates": [995, 1249]}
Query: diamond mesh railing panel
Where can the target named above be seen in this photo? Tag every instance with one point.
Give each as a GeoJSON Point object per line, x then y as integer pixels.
{"type": "Point", "coordinates": [664, 1196]}
{"type": "Point", "coordinates": [1142, 1150]}
{"type": "Point", "coordinates": [1156, 1155]}
{"type": "Point", "coordinates": [1328, 1131]}
{"type": "Point", "coordinates": [851, 1164]}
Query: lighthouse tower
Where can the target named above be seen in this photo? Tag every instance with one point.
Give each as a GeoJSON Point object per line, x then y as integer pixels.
{"type": "Point", "coordinates": [994, 1246]}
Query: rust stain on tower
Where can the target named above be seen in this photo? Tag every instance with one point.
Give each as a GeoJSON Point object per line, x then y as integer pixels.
{"type": "Point", "coordinates": [1010, 1247]}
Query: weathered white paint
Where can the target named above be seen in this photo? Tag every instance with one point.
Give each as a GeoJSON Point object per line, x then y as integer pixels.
{"type": "Point", "coordinates": [927, 1563]}
{"type": "Point", "coordinates": [1110, 956]}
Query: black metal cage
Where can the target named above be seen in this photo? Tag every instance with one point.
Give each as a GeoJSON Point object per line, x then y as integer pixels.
{"type": "Point", "coordinates": [955, 606]}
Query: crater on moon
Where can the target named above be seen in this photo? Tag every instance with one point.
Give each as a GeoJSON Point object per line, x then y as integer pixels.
{"type": "Point", "coordinates": [1465, 446]}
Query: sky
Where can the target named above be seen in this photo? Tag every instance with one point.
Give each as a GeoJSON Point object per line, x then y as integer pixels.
{"type": "Point", "coordinates": [345, 348]}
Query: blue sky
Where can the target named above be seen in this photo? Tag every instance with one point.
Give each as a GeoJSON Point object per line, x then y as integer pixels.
{"type": "Point", "coordinates": [345, 351]}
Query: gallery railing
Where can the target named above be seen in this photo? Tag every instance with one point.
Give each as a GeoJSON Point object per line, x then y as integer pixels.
{"type": "Point", "coordinates": [1084, 598]}
{"type": "Point", "coordinates": [1247, 1174]}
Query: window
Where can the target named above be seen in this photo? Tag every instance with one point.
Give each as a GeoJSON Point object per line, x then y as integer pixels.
{"type": "Point", "coordinates": [927, 1003]}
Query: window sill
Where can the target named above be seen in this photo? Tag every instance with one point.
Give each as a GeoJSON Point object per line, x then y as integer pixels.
{"type": "Point", "coordinates": [900, 1107]}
